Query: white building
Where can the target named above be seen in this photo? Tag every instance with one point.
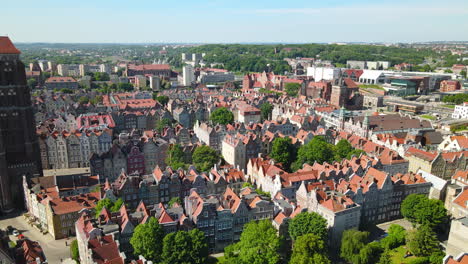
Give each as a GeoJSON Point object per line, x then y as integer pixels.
{"type": "Point", "coordinates": [460, 111]}
{"type": "Point", "coordinates": [188, 75]}
{"type": "Point", "coordinates": [372, 77]}
{"type": "Point", "coordinates": [322, 73]}
{"type": "Point", "coordinates": [155, 83]}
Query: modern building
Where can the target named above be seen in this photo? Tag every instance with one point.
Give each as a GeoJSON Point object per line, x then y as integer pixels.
{"type": "Point", "coordinates": [154, 83]}
{"type": "Point", "coordinates": [322, 73]}
{"type": "Point", "coordinates": [19, 148]}
{"type": "Point", "coordinates": [211, 75]}
{"type": "Point", "coordinates": [161, 70]}
{"type": "Point", "coordinates": [460, 111]}
{"type": "Point", "coordinates": [187, 75]}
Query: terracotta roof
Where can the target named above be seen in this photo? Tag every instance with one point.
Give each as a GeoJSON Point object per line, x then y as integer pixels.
{"type": "Point", "coordinates": [461, 176]}
{"type": "Point", "coordinates": [144, 67]}
{"type": "Point", "coordinates": [462, 199]}
{"type": "Point", "coordinates": [58, 79]}
{"type": "Point", "coordinates": [429, 156]}
{"type": "Point", "coordinates": [7, 47]}
{"type": "Point", "coordinates": [462, 259]}
{"type": "Point", "coordinates": [105, 250]}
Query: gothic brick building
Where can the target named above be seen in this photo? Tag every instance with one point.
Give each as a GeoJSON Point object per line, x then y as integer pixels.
{"type": "Point", "coordinates": [19, 148]}
{"type": "Point", "coordinates": [345, 93]}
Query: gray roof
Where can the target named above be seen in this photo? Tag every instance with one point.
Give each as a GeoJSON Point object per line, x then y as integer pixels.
{"type": "Point", "coordinates": [437, 182]}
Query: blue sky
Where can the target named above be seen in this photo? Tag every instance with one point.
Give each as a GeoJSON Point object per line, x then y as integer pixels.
{"type": "Point", "coordinates": [227, 21]}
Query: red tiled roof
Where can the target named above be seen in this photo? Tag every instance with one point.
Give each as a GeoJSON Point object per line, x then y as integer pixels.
{"type": "Point", "coordinates": [57, 79]}
{"type": "Point", "coordinates": [7, 47]}
{"type": "Point", "coordinates": [144, 67]}
{"type": "Point", "coordinates": [463, 259]}
{"type": "Point", "coordinates": [462, 199]}
{"type": "Point", "coordinates": [421, 154]}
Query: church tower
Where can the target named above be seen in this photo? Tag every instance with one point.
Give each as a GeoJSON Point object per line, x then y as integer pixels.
{"type": "Point", "coordinates": [19, 148]}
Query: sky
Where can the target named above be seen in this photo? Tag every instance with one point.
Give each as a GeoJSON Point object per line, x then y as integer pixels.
{"type": "Point", "coordinates": [234, 21]}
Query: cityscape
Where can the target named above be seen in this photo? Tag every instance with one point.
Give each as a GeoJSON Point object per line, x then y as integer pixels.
{"type": "Point", "coordinates": [218, 143]}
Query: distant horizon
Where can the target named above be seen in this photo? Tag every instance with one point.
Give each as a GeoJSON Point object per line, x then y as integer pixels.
{"type": "Point", "coordinates": [247, 43]}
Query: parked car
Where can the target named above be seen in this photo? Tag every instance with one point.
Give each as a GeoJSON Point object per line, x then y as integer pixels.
{"type": "Point", "coordinates": [10, 229]}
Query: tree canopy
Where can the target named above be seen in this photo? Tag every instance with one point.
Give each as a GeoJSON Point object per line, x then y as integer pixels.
{"type": "Point", "coordinates": [147, 239]}
{"type": "Point", "coordinates": [222, 116]}
{"type": "Point", "coordinates": [175, 157]}
{"type": "Point", "coordinates": [316, 149]}
{"type": "Point", "coordinates": [259, 244]}
{"type": "Point", "coordinates": [456, 98]}
{"type": "Point", "coordinates": [74, 252]}
{"type": "Point", "coordinates": [352, 242]}
{"type": "Point", "coordinates": [309, 248]}
{"type": "Point", "coordinates": [109, 204]}
{"type": "Point", "coordinates": [283, 151]}
{"type": "Point", "coordinates": [163, 123]}
{"type": "Point", "coordinates": [370, 253]}
{"type": "Point", "coordinates": [204, 157]}
{"type": "Point", "coordinates": [419, 209]}
{"type": "Point", "coordinates": [292, 88]}
{"type": "Point", "coordinates": [308, 223]}
{"type": "Point", "coordinates": [266, 109]}
{"type": "Point", "coordinates": [422, 241]}
{"type": "Point", "coordinates": [162, 99]}
{"type": "Point", "coordinates": [184, 247]}
{"type": "Point", "coordinates": [396, 237]}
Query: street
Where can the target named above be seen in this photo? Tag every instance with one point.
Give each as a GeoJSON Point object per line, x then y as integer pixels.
{"type": "Point", "coordinates": [54, 250]}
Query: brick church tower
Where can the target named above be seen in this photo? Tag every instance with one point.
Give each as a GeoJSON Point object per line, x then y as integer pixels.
{"type": "Point", "coordinates": [19, 149]}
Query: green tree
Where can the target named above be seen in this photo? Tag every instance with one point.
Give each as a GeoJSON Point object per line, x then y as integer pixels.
{"type": "Point", "coordinates": [116, 205]}
{"type": "Point", "coordinates": [174, 200]}
{"type": "Point", "coordinates": [385, 258]}
{"type": "Point", "coordinates": [422, 242]}
{"type": "Point", "coordinates": [409, 204]}
{"type": "Point", "coordinates": [292, 88]}
{"type": "Point", "coordinates": [163, 123]}
{"type": "Point", "coordinates": [101, 76]}
{"type": "Point", "coordinates": [431, 212]}
{"type": "Point", "coordinates": [32, 83]}
{"type": "Point", "coordinates": [259, 244]}
{"type": "Point", "coordinates": [283, 151]}
{"type": "Point", "coordinates": [437, 257]}
{"type": "Point", "coordinates": [370, 253]}
{"type": "Point", "coordinates": [342, 149]}
{"type": "Point", "coordinates": [83, 100]}
{"type": "Point", "coordinates": [396, 237]}
{"type": "Point", "coordinates": [184, 247]}
{"type": "Point", "coordinates": [147, 239]}
{"type": "Point", "coordinates": [109, 204]}
{"type": "Point", "coordinates": [96, 100]}
{"type": "Point", "coordinates": [162, 99]}
{"type": "Point", "coordinates": [419, 209]}
{"type": "Point", "coordinates": [308, 223]}
{"type": "Point", "coordinates": [309, 248]}
{"type": "Point", "coordinates": [66, 91]}
{"type": "Point", "coordinates": [125, 86]}
{"type": "Point", "coordinates": [222, 116]}
{"type": "Point", "coordinates": [175, 157]}
{"type": "Point", "coordinates": [266, 109]}
{"type": "Point", "coordinates": [463, 73]}
{"type": "Point", "coordinates": [74, 252]}
{"type": "Point", "coordinates": [352, 242]}
{"type": "Point", "coordinates": [316, 150]}
{"type": "Point", "coordinates": [204, 157]}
